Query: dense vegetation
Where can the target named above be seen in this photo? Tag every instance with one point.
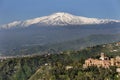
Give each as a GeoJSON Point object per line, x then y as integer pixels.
{"type": "Point", "coordinates": [54, 66]}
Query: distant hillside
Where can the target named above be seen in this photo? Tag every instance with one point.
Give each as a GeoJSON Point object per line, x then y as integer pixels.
{"type": "Point", "coordinates": [76, 44]}
{"type": "Point", "coordinates": [54, 66]}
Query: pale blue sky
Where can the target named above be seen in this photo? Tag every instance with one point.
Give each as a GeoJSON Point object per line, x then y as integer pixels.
{"type": "Point", "coordinates": [12, 10]}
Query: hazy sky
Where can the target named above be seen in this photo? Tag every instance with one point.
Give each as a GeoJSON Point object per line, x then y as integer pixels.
{"type": "Point", "coordinates": [12, 10]}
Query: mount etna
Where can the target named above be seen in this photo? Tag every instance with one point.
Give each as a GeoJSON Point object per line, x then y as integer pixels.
{"type": "Point", "coordinates": [59, 31]}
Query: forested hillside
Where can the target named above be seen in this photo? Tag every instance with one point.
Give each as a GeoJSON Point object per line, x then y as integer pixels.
{"type": "Point", "coordinates": [66, 65]}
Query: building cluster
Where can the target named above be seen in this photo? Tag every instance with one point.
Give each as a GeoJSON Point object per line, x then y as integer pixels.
{"type": "Point", "coordinates": [2, 58]}
{"type": "Point", "coordinates": [103, 61]}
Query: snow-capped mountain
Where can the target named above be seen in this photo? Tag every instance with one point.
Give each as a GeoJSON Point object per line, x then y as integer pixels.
{"type": "Point", "coordinates": [58, 19]}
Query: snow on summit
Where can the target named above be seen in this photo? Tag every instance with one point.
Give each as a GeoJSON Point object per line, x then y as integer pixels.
{"type": "Point", "coordinates": [60, 19]}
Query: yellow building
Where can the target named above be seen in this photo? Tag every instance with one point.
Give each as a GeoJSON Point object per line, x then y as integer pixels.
{"type": "Point", "coordinates": [103, 61]}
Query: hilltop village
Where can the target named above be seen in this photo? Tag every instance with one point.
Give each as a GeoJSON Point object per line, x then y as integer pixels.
{"type": "Point", "coordinates": [103, 61]}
